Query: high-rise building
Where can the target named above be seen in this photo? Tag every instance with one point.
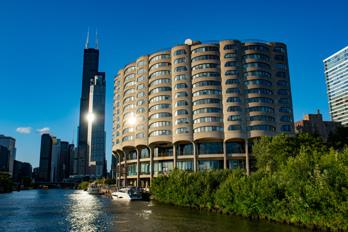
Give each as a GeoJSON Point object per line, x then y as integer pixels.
{"type": "Point", "coordinates": [96, 127]}
{"type": "Point", "coordinates": [63, 167]}
{"type": "Point", "coordinates": [56, 144]}
{"type": "Point", "coordinates": [336, 70]}
{"type": "Point", "coordinates": [45, 157]}
{"type": "Point", "coordinates": [4, 159]}
{"type": "Point", "coordinates": [199, 106]}
{"type": "Point", "coordinates": [10, 144]}
{"type": "Point", "coordinates": [20, 170]}
{"type": "Point", "coordinates": [90, 70]}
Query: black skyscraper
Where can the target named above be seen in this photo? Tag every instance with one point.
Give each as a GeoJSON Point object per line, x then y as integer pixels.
{"type": "Point", "coordinates": [45, 157]}
{"type": "Point", "coordinates": [90, 69]}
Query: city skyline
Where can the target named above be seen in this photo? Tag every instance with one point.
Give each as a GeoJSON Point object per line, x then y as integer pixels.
{"type": "Point", "coordinates": [43, 54]}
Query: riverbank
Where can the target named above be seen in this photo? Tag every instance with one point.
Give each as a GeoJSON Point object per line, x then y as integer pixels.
{"type": "Point", "coordinates": [300, 181]}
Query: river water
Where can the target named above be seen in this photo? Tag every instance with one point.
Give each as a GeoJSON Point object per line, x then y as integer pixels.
{"type": "Point", "coordinates": [76, 210]}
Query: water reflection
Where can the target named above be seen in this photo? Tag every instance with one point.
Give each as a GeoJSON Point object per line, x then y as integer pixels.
{"type": "Point", "coordinates": [75, 210]}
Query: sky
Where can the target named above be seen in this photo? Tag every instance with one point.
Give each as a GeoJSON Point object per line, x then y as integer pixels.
{"type": "Point", "coordinates": [42, 46]}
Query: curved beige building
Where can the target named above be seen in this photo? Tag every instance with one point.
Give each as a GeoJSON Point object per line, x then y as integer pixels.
{"type": "Point", "coordinates": [199, 106]}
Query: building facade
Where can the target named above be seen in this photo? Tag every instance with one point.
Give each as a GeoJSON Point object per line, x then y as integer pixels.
{"type": "Point", "coordinates": [314, 124]}
{"type": "Point", "coordinates": [199, 106]}
{"type": "Point", "coordinates": [4, 159]}
{"type": "Point", "coordinates": [336, 70]}
{"type": "Point", "coordinates": [90, 70]}
{"type": "Point", "coordinates": [96, 127]}
{"type": "Point", "coordinates": [20, 170]}
{"type": "Point", "coordinates": [45, 157]}
{"type": "Point", "coordinates": [10, 144]}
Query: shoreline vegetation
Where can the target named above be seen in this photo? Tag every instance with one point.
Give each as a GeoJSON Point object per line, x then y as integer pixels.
{"type": "Point", "coordinates": [300, 180]}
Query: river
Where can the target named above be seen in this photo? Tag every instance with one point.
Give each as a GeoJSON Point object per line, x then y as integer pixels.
{"type": "Point", "coordinates": [76, 210]}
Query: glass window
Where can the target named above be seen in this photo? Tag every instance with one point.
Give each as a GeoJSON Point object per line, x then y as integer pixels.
{"type": "Point", "coordinates": [261, 118]}
{"type": "Point", "coordinates": [231, 55]}
{"type": "Point", "coordinates": [140, 71]}
{"type": "Point", "coordinates": [180, 60]}
{"type": "Point", "coordinates": [161, 89]}
{"type": "Point", "coordinates": [140, 135]}
{"type": "Point", "coordinates": [207, 101]}
{"type": "Point", "coordinates": [140, 110]}
{"type": "Point", "coordinates": [279, 49]}
{"type": "Point", "coordinates": [256, 56]}
{"type": "Point", "coordinates": [180, 68]}
{"type": "Point", "coordinates": [129, 91]}
{"type": "Point", "coordinates": [286, 128]}
{"type": "Point", "coordinates": [281, 66]}
{"type": "Point", "coordinates": [127, 130]}
{"type": "Point", "coordinates": [140, 86]}
{"type": "Point", "coordinates": [261, 127]}
{"type": "Point", "coordinates": [284, 100]}
{"type": "Point", "coordinates": [206, 74]}
{"type": "Point", "coordinates": [141, 63]}
{"type": "Point", "coordinates": [181, 86]}
{"type": "Point", "coordinates": [261, 91]}
{"type": "Point", "coordinates": [232, 73]}
{"type": "Point", "coordinates": [160, 98]}
{"type": "Point", "coordinates": [181, 94]}
{"type": "Point", "coordinates": [231, 64]}
{"type": "Point", "coordinates": [280, 57]}
{"type": "Point", "coordinates": [159, 57]}
{"type": "Point", "coordinates": [285, 119]}
{"type": "Point", "coordinates": [181, 103]}
{"type": "Point", "coordinates": [230, 47]}
{"type": "Point", "coordinates": [160, 115]}
{"type": "Point", "coordinates": [159, 73]}
{"type": "Point", "coordinates": [127, 138]}
{"type": "Point", "coordinates": [181, 130]}
{"type": "Point", "coordinates": [236, 164]}
{"type": "Point", "coordinates": [209, 148]}
{"type": "Point", "coordinates": [160, 124]}
{"type": "Point", "coordinates": [130, 69]}
{"type": "Point", "coordinates": [129, 77]}
{"type": "Point", "coordinates": [282, 74]}
{"type": "Point", "coordinates": [283, 83]}
{"type": "Point", "coordinates": [145, 154]}
{"type": "Point", "coordinates": [206, 83]}
{"type": "Point", "coordinates": [181, 112]}
{"type": "Point", "coordinates": [129, 84]}
{"type": "Point", "coordinates": [180, 77]}
{"type": "Point", "coordinates": [159, 65]}
{"type": "Point", "coordinates": [234, 108]}
{"type": "Point", "coordinates": [163, 167]}
{"type": "Point", "coordinates": [255, 47]}
{"type": "Point", "coordinates": [127, 107]}
{"type": "Point", "coordinates": [206, 57]}
{"type": "Point", "coordinates": [235, 127]}
{"type": "Point", "coordinates": [235, 118]}
{"type": "Point", "coordinates": [207, 110]}
{"type": "Point", "coordinates": [203, 66]}
{"type": "Point", "coordinates": [181, 121]}
{"type": "Point", "coordinates": [256, 64]}
{"type": "Point", "coordinates": [207, 119]}
{"type": "Point", "coordinates": [234, 99]}
{"type": "Point", "coordinates": [180, 52]}
{"type": "Point", "coordinates": [141, 94]}
{"type": "Point", "coordinates": [206, 92]}
{"type": "Point", "coordinates": [129, 114]}
{"type": "Point", "coordinates": [233, 90]}
{"type": "Point", "coordinates": [140, 127]}
{"type": "Point", "coordinates": [232, 82]}
{"type": "Point", "coordinates": [160, 132]}
{"type": "Point", "coordinates": [185, 165]}
{"type": "Point", "coordinates": [259, 108]}
{"type": "Point", "coordinates": [160, 106]}
{"type": "Point", "coordinates": [207, 129]}
{"type": "Point", "coordinates": [257, 73]}
{"type": "Point", "coordinates": [283, 92]}
{"type": "Point", "coordinates": [284, 110]}
{"type": "Point", "coordinates": [258, 82]}
{"type": "Point", "coordinates": [160, 81]}
{"type": "Point", "coordinates": [145, 167]}
{"type": "Point", "coordinates": [142, 78]}
{"type": "Point", "coordinates": [140, 102]}
{"type": "Point", "coordinates": [259, 99]}
{"type": "Point", "coordinates": [205, 49]}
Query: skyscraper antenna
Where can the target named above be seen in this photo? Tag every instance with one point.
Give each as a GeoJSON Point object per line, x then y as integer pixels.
{"type": "Point", "coordinates": [87, 39]}
{"type": "Point", "coordinates": [96, 39]}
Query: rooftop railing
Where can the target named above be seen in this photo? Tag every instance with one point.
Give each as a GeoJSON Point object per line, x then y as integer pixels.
{"type": "Point", "coordinates": [160, 50]}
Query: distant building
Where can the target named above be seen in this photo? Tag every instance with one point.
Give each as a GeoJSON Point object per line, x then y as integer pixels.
{"type": "Point", "coordinates": [113, 166]}
{"type": "Point", "coordinates": [71, 159]}
{"type": "Point", "coordinates": [4, 159]}
{"type": "Point", "coordinates": [10, 144]}
{"type": "Point", "coordinates": [45, 157]}
{"type": "Point", "coordinates": [55, 159]}
{"type": "Point", "coordinates": [86, 164]}
{"type": "Point", "coordinates": [314, 124]}
{"type": "Point", "coordinates": [63, 165]}
{"type": "Point", "coordinates": [35, 174]}
{"type": "Point", "coordinates": [336, 72]}
{"type": "Point", "coordinates": [20, 170]}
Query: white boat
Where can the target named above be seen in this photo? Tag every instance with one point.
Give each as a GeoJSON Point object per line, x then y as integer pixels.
{"type": "Point", "coordinates": [127, 194]}
{"type": "Point", "coordinates": [93, 188]}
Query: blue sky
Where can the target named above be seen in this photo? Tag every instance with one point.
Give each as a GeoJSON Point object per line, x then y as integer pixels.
{"type": "Point", "coordinates": [42, 46]}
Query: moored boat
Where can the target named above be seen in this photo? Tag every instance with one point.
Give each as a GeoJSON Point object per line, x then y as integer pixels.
{"type": "Point", "coordinates": [127, 194]}
{"type": "Point", "coordinates": [93, 188]}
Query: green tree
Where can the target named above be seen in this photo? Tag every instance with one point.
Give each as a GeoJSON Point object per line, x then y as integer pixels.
{"type": "Point", "coordinates": [110, 181]}
{"type": "Point", "coordinates": [6, 182]}
{"type": "Point", "coordinates": [26, 180]}
{"type": "Point", "coordinates": [84, 185]}
{"type": "Point", "coordinates": [339, 138]}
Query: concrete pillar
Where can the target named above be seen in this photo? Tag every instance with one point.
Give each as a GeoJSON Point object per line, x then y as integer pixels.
{"type": "Point", "coordinates": [194, 157]}
{"type": "Point", "coordinates": [247, 157]}
{"type": "Point", "coordinates": [174, 156]}
{"type": "Point", "coordinates": [138, 166]}
{"type": "Point", "coordinates": [125, 153]}
{"type": "Point", "coordinates": [225, 155]}
{"type": "Point", "coordinates": [151, 163]}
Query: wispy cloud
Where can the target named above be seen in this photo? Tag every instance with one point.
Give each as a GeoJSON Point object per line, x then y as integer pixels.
{"type": "Point", "coordinates": [24, 130]}
{"type": "Point", "coordinates": [45, 130]}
